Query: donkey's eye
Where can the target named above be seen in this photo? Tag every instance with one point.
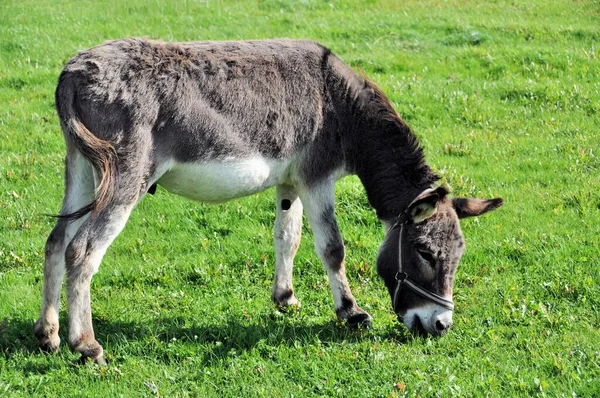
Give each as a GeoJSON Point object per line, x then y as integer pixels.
{"type": "Point", "coordinates": [427, 256]}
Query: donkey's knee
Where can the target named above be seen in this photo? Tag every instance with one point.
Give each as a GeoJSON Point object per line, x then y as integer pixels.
{"type": "Point", "coordinates": [334, 254]}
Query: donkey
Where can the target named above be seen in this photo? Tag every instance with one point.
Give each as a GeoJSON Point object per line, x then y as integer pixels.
{"type": "Point", "coordinates": [214, 121]}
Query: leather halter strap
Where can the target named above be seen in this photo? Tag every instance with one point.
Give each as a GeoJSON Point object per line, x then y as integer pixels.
{"type": "Point", "coordinates": [402, 279]}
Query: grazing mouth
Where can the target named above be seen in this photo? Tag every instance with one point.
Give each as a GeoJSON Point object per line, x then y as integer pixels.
{"type": "Point", "coordinates": [417, 326]}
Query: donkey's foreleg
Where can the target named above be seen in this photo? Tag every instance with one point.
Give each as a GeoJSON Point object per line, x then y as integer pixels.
{"type": "Point", "coordinates": [83, 257]}
{"type": "Point", "coordinates": [319, 209]}
{"type": "Point", "coordinates": [79, 191]}
{"type": "Point", "coordinates": [287, 233]}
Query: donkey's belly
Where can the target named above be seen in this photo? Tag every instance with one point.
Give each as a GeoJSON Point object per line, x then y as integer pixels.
{"type": "Point", "coordinates": [220, 181]}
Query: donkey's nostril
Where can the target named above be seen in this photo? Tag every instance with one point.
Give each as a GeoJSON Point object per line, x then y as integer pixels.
{"type": "Point", "coordinates": [441, 326]}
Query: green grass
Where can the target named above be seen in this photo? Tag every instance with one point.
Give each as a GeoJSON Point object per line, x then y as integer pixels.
{"type": "Point", "coordinates": [505, 97]}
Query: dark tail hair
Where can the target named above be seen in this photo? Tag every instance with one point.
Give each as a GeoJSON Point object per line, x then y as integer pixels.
{"type": "Point", "coordinates": [100, 153]}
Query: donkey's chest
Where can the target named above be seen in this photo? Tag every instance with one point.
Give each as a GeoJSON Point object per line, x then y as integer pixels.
{"type": "Point", "coordinates": [220, 181]}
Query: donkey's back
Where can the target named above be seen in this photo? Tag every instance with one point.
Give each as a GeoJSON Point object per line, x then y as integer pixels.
{"type": "Point", "coordinates": [202, 99]}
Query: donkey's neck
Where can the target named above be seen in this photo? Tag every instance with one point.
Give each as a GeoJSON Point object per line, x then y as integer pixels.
{"type": "Point", "coordinates": [386, 155]}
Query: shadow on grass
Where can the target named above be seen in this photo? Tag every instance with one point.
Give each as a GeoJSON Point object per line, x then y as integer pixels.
{"type": "Point", "coordinates": [16, 336]}
{"type": "Point", "coordinates": [169, 339]}
{"type": "Point", "coordinates": [172, 339]}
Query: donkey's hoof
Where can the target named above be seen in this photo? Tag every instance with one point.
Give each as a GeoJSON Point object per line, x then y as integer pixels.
{"type": "Point", "coordinates": [292, 308]}
{"type": "Point", "coordinates": [100, 361]}
{"type": "Point", "coordinates": [47, 337]}
{"type": "Point", "coordinates": [286, 302]}
{"type": "Point", "coordinates": [50, 345]}
{"type": "Point", "coordinates": [356, 318]}
{"type": "Point", "coordinates": [359, 321]}
{"type": "Point", "coordinates": [89, 350]}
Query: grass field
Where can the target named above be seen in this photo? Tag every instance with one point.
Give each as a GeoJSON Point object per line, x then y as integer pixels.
{"type": "Point", "coordinates": [505, 98]}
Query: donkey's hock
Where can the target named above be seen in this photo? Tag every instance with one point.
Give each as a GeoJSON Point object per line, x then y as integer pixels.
{"type": "Point", "coordinates": [213, 121]}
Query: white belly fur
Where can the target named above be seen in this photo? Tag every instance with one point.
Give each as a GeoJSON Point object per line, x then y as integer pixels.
{"type": "Point", "coordinates": [220, 181]}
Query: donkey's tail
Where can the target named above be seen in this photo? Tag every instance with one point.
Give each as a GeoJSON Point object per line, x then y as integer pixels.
{"type": "Point", "coordinates": [100, 153]}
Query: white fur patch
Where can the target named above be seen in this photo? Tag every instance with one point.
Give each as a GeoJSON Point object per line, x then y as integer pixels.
{"type": "Point", "coordinates": [220, 181]}
{"type": "Point", "coordinates": [428, 314]}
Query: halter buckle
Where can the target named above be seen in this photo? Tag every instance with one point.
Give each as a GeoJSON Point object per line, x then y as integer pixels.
{"type": "Point", "coordinates": [401, 276]}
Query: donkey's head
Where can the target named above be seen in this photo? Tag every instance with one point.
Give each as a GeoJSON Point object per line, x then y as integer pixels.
{"type": "Point", "coordinates": [420, 254]}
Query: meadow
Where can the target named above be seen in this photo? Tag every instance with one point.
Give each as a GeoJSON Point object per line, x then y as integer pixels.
{"type": "Point", "coordinates": [505, 99]}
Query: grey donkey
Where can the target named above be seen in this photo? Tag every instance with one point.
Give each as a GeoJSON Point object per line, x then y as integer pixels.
{"type": "Point", "coordinates": [214, 121]}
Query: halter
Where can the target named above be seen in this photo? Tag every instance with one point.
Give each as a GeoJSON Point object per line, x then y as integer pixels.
{"type": "Point", "coordinates": [402, 279]}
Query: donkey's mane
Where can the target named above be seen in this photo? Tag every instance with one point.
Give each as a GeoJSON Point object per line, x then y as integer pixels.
{"type": "Point", "coordinates": [389, 159]}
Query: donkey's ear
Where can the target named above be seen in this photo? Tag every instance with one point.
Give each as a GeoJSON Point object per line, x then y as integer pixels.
{"type": "Point", "coordinates": [425, 205]}
{"type": "Point", "coordinates": [475, 207]}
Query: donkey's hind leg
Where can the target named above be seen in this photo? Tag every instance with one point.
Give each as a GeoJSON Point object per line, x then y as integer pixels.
{"type": "Point", "coordinates": [319, 201]}
{"type": "Point", "coordinates": [82, 257]}
{"type": "Point", "coordinates": [287, 233]}
{"type": "Point", "coordinates": [79, 191]}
